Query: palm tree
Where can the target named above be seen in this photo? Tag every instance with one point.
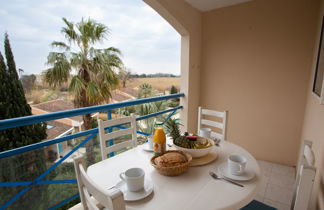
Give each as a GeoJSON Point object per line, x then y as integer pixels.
{"type": "Point", "coordinates": [147, 125]}
{"type": "Point", "coordinates": [90, 72]}
{"type": "Point", "coordinates": [124, 75]}
{"type": "Point", "coordinates": [145, 90]}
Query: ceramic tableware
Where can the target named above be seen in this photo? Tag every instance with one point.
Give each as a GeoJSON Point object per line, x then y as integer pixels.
{"type": "Point", "coordinates": [196, 153]}
{"type": "Point", "coordinates": [138, 195]}
{"type": "Point", "coordinates": [246, 176]}
{"type": "Point", "coordinates": [236, 164]}
{"type": "Point", "coordinates": [150, 142]}
{"type": "Point", "coordinates": [205, 132]}
{"type": "Point", "coordinates": [148, 146]}
{"type": "Point", "coordinates": [134, 179]}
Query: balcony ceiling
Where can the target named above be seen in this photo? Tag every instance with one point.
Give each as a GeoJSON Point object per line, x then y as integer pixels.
{"type": "Point", "coordinates": [206, 5]}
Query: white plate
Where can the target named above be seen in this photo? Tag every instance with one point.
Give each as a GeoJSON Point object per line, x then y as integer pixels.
{"type": "Point", "coordinates": [138, 195]}
{"type": "Point", "coordinates": [147, 148]}
{"type": "Point", "coordinates": [247, 175]}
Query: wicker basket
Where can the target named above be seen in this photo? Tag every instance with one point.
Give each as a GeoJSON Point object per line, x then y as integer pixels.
{"type": "Point", "coordinates": [173, 170]}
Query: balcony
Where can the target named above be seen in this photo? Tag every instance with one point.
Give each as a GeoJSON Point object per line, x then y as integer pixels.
{"type": "Point", "coordinates": [56, 179]}
{"type": "Point", "coordinates": [256, 59]}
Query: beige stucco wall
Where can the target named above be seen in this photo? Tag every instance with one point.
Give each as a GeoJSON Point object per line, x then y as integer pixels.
{"type": "Point", "coordinates": [314, 122]}
{"type": "Point", "coordinates": [256, 61]}
{"type": "Point", "coordinates": [187, 21]}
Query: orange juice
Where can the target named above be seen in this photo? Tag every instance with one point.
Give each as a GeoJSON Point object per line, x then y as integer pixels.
{"type": "Point", "coordinates": [159, 141]}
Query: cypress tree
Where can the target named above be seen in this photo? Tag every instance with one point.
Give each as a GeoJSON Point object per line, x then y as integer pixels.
{"type": "Point", "coordinates": [29, 165]}
{"type": "Point", "coordinates": [3, 101]}
{"type": "Point", "coordinates": [2, 86]}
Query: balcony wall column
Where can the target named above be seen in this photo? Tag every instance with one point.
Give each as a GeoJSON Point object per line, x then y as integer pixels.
{"type": "Point", "coordinates": [187, 21]}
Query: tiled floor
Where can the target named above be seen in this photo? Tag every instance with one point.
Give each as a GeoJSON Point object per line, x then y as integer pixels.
{"type": "Point", "coordinates": [277, 185]}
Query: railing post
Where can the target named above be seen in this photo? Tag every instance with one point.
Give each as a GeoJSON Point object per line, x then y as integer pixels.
{"type": "Point", "coordinates": [110, 129]}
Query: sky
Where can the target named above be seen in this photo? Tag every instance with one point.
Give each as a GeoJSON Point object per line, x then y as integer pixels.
{"type": "Point", "coordinates": [148, 43]}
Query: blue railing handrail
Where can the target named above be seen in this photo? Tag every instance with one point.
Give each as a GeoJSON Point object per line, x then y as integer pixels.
{"type": "Point", "coordinates": [38, 145]}
{"type": "Point", "coordinates": [28, 120]}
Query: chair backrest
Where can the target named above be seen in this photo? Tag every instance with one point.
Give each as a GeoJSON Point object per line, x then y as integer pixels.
{"type": "Point", "coordinates": [104, 136]}
{"type": "Point", "coordinates": [220, 125]}
{"type": "Point", "coordinates": [90, 192]}
{"type": "Point", "coordinates": [304, 178]}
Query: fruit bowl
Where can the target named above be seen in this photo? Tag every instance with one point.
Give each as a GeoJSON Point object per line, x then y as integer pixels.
{"type": "Point", "coordinates": [196, 153]}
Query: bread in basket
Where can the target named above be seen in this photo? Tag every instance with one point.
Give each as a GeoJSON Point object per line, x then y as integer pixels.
{"type": "Point", "coordinates": [171, 163]}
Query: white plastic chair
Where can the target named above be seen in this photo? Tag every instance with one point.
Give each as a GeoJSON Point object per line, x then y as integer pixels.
{"type": "Point", "coordinates": [304, 178]}
{"type": "Point", "coordinates": [220, 125]}
{"type": "Point", "coordinates": [104, 136]}
{"type": "Point", "coordinates": [92, 196]}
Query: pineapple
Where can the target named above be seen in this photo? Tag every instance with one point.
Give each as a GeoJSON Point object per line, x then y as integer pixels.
{"type": "Point", "coordinates": [172, 128]}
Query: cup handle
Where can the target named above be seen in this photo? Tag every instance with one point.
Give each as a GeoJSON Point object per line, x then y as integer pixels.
{"type": "Point", "coordinates": [121, 175]}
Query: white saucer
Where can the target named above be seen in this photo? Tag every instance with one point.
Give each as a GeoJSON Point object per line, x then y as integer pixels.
{"type": "Point", "coordinates": [138, 195]}
{"type": "Point", "coordinates": [147, 148]}
{"type": "Point", "coordinates": [247, 175]}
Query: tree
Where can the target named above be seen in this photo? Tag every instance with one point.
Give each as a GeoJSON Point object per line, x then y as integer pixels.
{"type": "Point", "coordinates": [95, 76]}
{"type": "Point", "coordinates": [29, 165]}
{"type": "Point", "coordinates": [20, 71]}
{"type": "Point", "coordinates": [145, 90]}
{"type": "Point", "coordinates": [173, 89]}
{"type": "Point", "coordinates": [3, 88]}
{"type": "Point", "coordinates": [176, 101]}
{"type": "Point", "coordinates": [147, 125]}
{"type": "Point", "coordinates": [124, 75]}
{"type": "Point", "coordinates": [28, 82]}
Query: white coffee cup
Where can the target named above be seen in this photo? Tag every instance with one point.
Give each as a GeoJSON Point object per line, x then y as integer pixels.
{"type": "Point", "coordinates": [205, 132]}
{"type": "Point", "coordinates": [236, 164]}
{"type": "Point", "coordinates": [134, 178]}
{"type": "Point", "coordinates": [150, 142]}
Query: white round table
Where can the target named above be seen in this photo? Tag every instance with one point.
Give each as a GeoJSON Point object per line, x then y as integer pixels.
{"type": "Point", "coordinates": [193, 190]}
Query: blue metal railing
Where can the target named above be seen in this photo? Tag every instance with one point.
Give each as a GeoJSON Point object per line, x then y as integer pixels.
{"type": "Point", "coordinates": [28, 120]}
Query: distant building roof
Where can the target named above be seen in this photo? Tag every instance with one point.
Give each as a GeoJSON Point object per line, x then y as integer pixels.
{"type": "Point", "coordinates": [117, 95]}
{"type": "Point", "coordinates": [56, 106]}
{"type": "Point", "coordinates": [54, 129]}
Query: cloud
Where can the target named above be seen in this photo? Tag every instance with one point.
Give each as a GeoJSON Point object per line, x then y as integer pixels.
{"type": "Point", "coordinates": [148, 43]}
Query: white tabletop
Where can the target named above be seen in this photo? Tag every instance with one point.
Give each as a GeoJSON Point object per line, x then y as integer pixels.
{"type": "Point", "coordinates": [192, 190]}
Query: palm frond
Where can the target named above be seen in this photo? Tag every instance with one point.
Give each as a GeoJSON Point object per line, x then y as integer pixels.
{"type": "Point", "coordinates": [60, 45]}
{"type": "Point", "coordinates": [100, 32]}
{"type": "Point", "coordinates": [112, 50]}
{"type": "Point", "coordinates": [92, 92]}
{"type": "Point", "coordinates": [104, 60]}
{"type": "Point", "coordinates": [69, 32]}
{"type": "Point", "coordinates": [76, 60]}
{"type": "Point", "coordinates": [76, 85]}
{"type": "Point", "coordinates": [91, 31]}
{"type": "Point", "coordinates": [60, 70]}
